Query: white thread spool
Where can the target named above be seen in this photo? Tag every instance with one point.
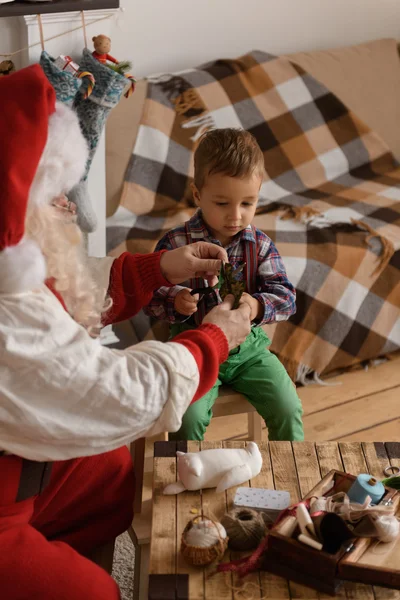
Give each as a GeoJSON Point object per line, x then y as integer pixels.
{"type": "Point", "coordinates": [205, 533]}
{"type": "Point", "coordinates": [387, 528]}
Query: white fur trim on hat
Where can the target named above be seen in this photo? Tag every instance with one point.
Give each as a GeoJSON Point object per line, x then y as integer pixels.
{"type": "Point", "coordinates": [63, 162]}
{"type": "Point", "coordinates": [22, 267]}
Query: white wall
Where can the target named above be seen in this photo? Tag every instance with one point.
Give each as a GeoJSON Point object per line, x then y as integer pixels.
{"type": "Point", "coordinates": [160, 35]}
{"type": "Point", "coordinates": [9, 37]}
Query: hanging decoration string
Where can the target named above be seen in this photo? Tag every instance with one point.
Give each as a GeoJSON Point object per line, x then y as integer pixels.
{"type": "Point", "coordinates": [84, 27]}
{"type": "Point", "coordinates": [39, 18]}
{"type": "Point", "coordinates": [53, 37]}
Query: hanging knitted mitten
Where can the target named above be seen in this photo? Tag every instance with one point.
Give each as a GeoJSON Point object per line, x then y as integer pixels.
{"type": "Point", "coordinates": [92, 113]}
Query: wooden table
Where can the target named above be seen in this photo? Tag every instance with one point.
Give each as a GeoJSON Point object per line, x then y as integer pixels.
{"type": "Point", "coordinates": [296, 467]}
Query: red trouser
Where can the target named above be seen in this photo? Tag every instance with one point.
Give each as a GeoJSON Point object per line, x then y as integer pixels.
{"type": "Point", "coordinates": [87, 503]}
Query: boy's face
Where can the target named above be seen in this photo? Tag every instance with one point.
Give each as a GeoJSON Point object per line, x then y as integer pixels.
{"type": "Point", "coordinates": [228, 203]}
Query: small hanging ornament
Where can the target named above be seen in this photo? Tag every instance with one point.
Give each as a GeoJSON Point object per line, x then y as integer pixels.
{"type": "Point", "coordinates": [6, 67]}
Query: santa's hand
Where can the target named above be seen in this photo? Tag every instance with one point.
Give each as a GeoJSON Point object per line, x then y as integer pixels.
{"type": "Point", "coordinates": [196, 260]}
{"type": "Point", "coordinates": [234, 323]}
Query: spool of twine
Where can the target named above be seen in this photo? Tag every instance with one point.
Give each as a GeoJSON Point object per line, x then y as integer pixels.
{"type": "Point", "coordinates": [245, 528]}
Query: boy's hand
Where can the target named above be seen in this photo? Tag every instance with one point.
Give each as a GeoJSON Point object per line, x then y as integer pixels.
{"type": "Point", "coordinates": [185, 304]}
{"type": "Point", "coordinates": [257, 309]}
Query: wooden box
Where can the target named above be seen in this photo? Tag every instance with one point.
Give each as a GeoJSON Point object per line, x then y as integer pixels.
{"type": "Point", "coordinates": [366, 562]}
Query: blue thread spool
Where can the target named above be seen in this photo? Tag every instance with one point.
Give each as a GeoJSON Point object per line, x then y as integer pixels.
{"type": "Point", "coordinates": [364, 486]}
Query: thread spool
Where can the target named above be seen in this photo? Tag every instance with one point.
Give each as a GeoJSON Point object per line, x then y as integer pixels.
{"type": "Point", "coordinates": [245, 528]}
{"type": "Point", "coordinates": [364, 486]}
{"type": "Point", "coordinates": [203, 541]}
{"type": "Point", "coordinates": [205, 533]}
{"type": "Point", "coordinates": [387, 528]}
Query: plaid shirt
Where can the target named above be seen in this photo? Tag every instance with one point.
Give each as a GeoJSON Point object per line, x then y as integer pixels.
{"type": "Point", "coordinates": [268, 281]}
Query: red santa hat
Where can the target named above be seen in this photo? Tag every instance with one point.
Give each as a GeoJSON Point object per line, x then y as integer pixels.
{"type": "Point", "coordinates": [43, 155]}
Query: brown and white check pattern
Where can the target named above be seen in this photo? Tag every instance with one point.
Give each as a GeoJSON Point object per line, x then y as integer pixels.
{"type": "Point", "coordinates": [330, 200]}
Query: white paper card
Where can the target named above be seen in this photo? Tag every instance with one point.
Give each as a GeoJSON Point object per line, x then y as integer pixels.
{"type": "Point", "coordinates": [260, 499]}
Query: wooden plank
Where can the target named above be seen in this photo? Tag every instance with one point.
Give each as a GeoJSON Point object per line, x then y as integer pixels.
{"type": "Point", "coordinates": [354, 462]}
{"type": "Point", "coordinates": [337, 422]}
{"type": "Point", "coordinates": [19, 8]}
{"type": "Point", "coordinates": [251, 583]}
{"type": "Point", "coordinates": [353, 386]}
{"type": "Point", "coordinates": [307, 466]}
{"type": "Point", "coordinates": [163, 528]}
{"type": "Point", "coordinates": [377, 433]}
{"type": "Point", "coordinates": [329, 457]}
{"type": "Point", "coordinates": [229, 427]}
{"type": "Point", "coordinates": [376, 460]}
{"type": "Point", "coordinates": [187, 503]}
{"type": "Point", "coordinates": [284, 469]}
{"type": "Point", "coordinates": [393, 449]}
{"type": "Point", "coordinates": [218, 586]}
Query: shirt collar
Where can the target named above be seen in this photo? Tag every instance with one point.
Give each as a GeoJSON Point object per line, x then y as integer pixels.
{"type": "Point", "coordinates": [198, 231]}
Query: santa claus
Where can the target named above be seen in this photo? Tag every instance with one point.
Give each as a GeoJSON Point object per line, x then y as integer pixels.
{"type": "Point", "coordinates": [69, 406]}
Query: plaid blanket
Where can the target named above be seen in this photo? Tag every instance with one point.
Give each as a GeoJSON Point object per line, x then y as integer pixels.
{"type": "Point", "coordinates": [330, 200]}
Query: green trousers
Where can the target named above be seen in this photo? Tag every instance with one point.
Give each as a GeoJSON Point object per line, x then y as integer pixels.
{"type": "Point", "coordinates": [254, 371]}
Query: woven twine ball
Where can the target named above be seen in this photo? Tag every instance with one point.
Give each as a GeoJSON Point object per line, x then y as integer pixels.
{"type": "Point", "coordinates": [203, 541]}
{"type": "Point", "coordinates": [245, 528]}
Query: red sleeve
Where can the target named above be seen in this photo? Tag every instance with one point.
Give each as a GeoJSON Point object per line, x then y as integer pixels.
{"type": "Point", "coordinates": [133, 279]}
{"type": "Point", "coordinates": [209, 347]}
{"type": "Point", "coordinates": [111, 59]}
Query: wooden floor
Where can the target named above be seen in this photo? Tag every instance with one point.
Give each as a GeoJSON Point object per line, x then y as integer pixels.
{"type": "Point", "coordinates": [359, 406]}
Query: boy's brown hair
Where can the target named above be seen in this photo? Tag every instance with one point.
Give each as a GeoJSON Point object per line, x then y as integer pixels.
{"type": "Point", "coordinates": [234, 152]}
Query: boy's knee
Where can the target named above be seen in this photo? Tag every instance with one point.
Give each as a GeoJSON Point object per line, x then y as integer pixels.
{"type": "Point", "coordinates": [288, 404]}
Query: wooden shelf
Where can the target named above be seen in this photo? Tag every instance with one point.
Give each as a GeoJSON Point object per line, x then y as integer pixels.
{"type": "Point", "coordinates": [20, 8]}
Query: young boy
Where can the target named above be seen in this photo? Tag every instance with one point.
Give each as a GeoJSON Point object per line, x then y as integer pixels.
{"type": "Point", "coordinates": [228, 172]}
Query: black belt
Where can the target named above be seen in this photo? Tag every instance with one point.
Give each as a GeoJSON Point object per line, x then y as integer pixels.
{"type": "Point", "coordinates": [33, 479]}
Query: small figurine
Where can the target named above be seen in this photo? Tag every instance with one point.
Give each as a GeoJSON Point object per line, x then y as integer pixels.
{"type": "Point", "coordinates": [102, 45]}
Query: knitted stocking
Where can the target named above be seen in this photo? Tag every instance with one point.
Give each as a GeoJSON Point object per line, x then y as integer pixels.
{"type": "Point", "coordinates": [66, 85]}
{"type": "Point", "coordinates": [92, 113]}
